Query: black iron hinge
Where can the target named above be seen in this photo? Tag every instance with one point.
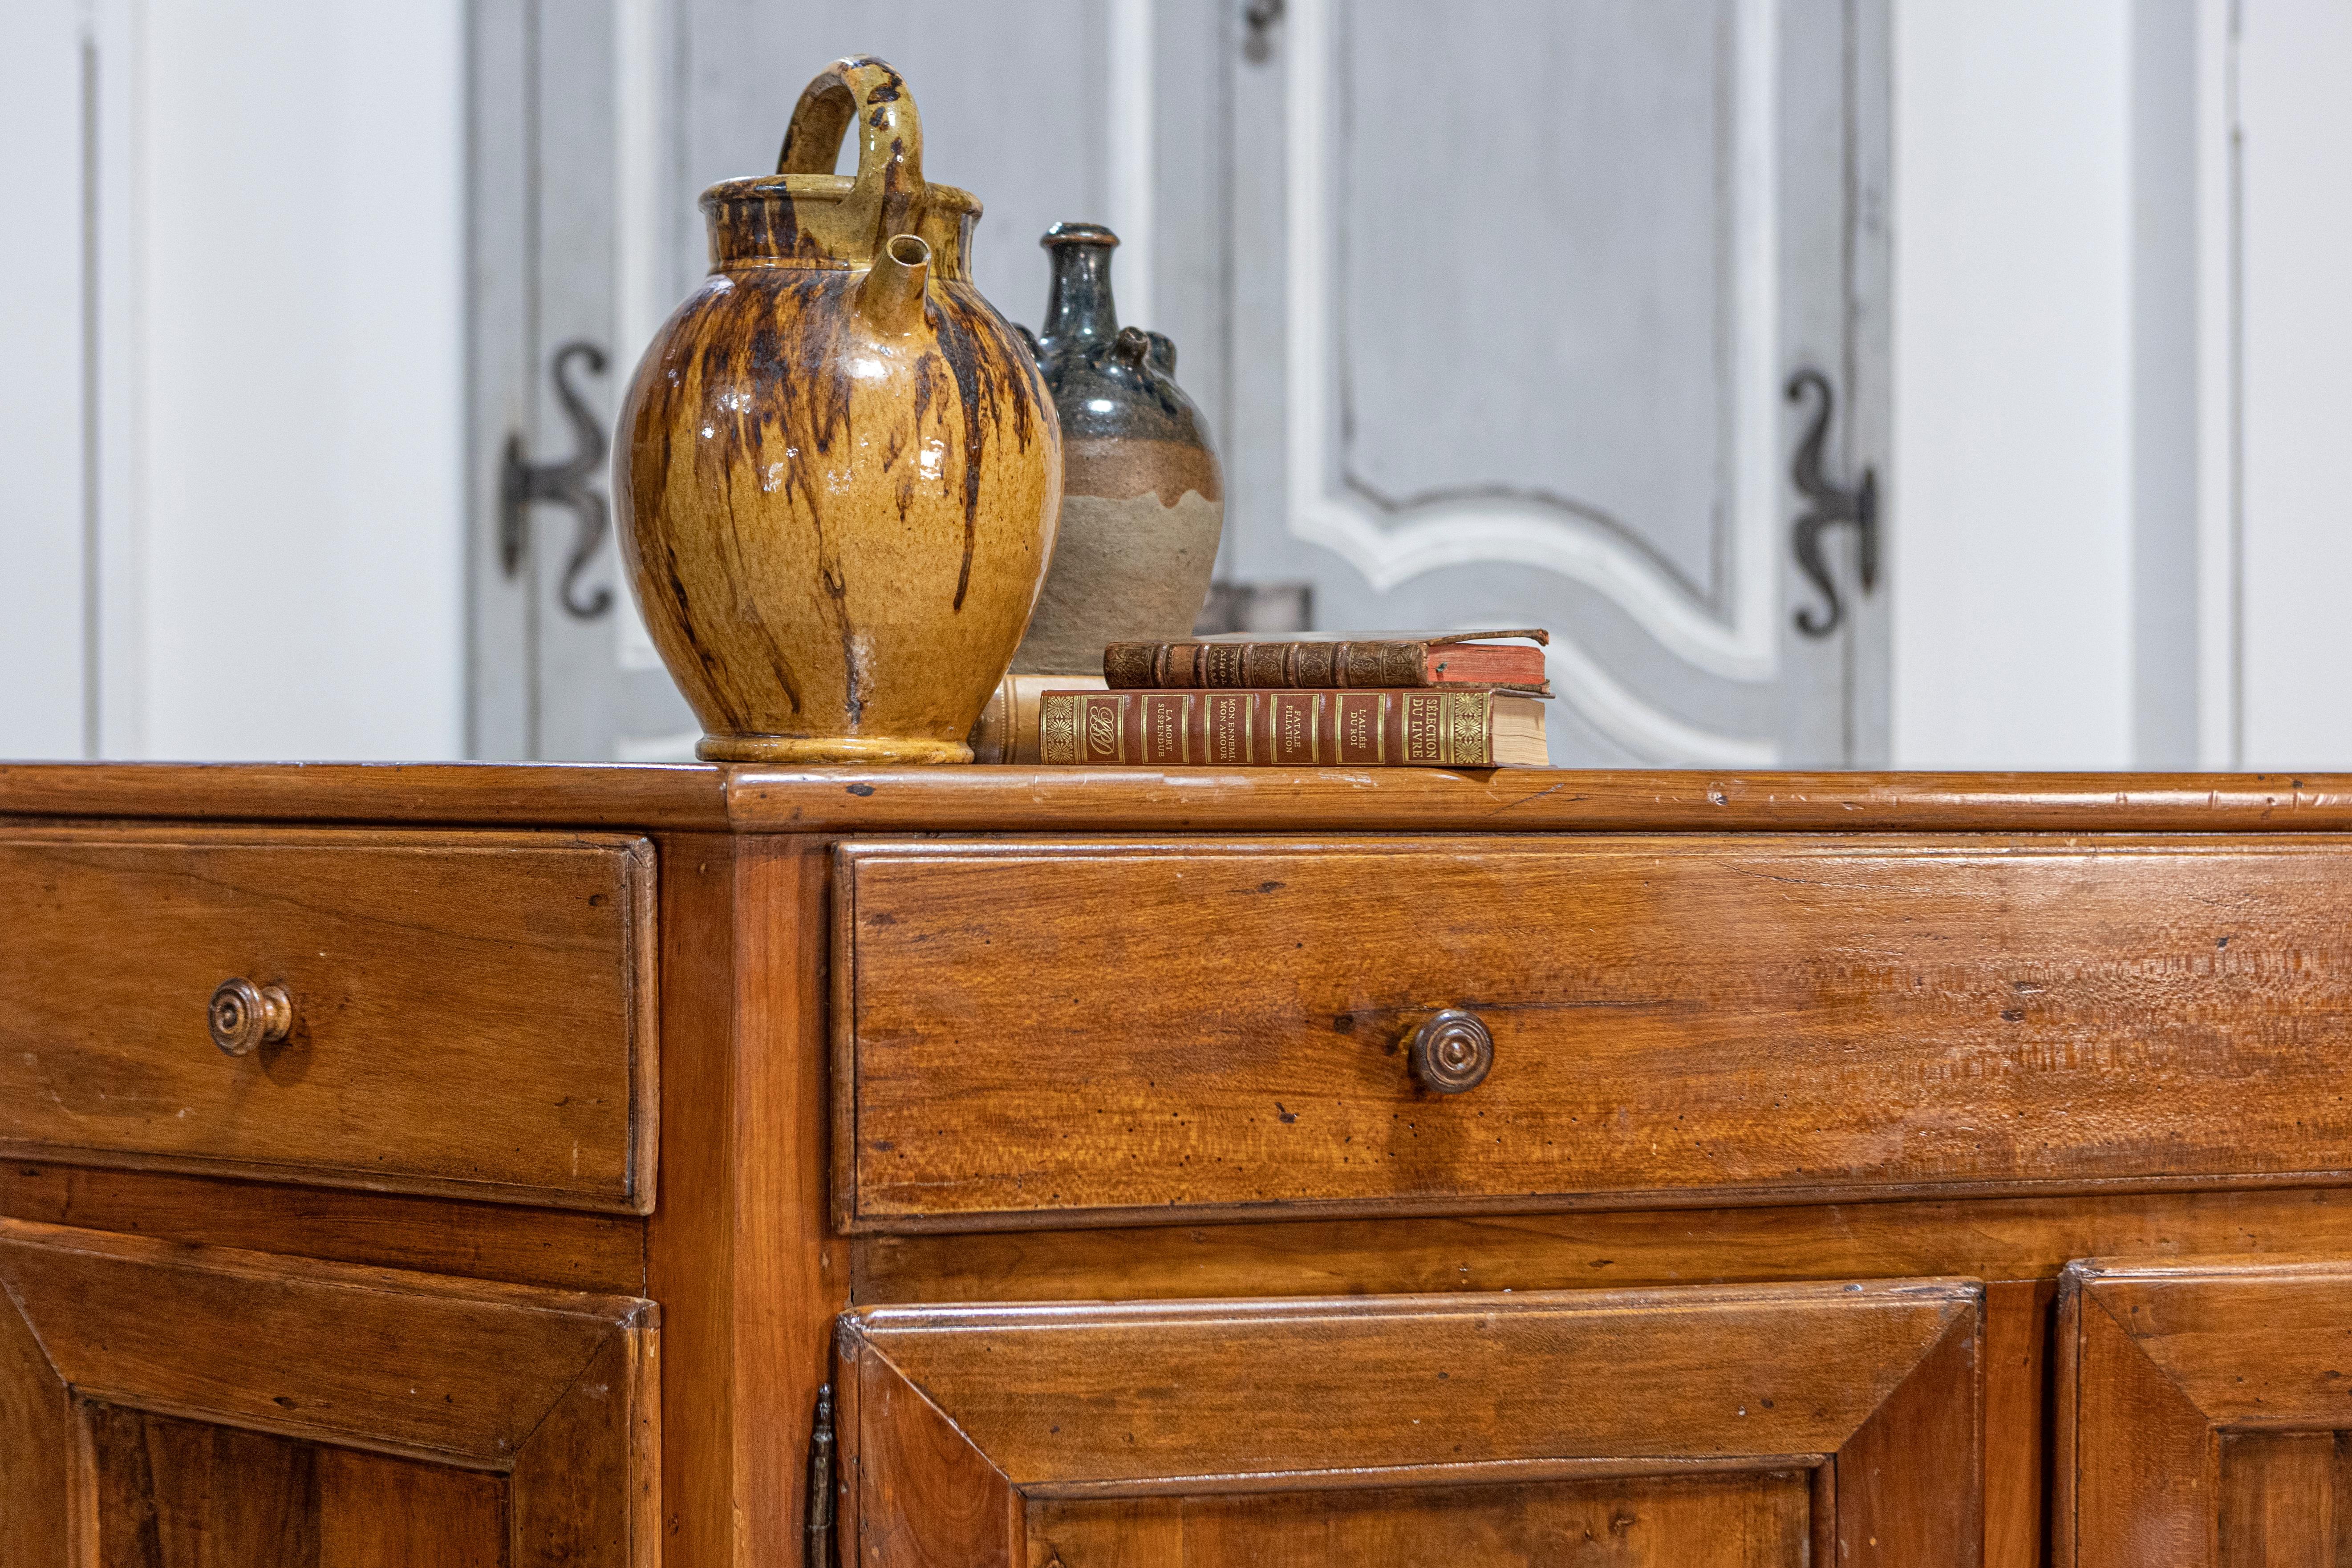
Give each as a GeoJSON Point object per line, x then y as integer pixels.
{"type": "Point", "coordinates": [1829, 507]}
{"type": "Point", "coordinates": [568, 483]}
{"type": "Point", "coordinates": [819, 1528]}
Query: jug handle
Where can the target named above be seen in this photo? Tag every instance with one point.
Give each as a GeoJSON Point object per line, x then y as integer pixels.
{"type": "Point", "coordinates": [890, 132]}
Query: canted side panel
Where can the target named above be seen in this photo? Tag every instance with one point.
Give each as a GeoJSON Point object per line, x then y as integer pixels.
{"type": "Point", "coordinates": [1140, 1032]}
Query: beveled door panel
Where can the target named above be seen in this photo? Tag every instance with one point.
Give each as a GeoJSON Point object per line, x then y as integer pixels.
{"type": "Point", "coordinates": [1778, 1424]}
{"type": "Point", "coordinates": [1741, 1520]}
{"type": "Point", "coordinates": [1524, 287]}
{"type": "Point", "coordinates": [172, 1407]}
{"type": "Point", "coordinates": [2205, 1415]}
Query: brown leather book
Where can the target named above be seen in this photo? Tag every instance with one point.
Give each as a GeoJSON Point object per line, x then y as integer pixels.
{"type": "Point", "coordinates": [1407, 729]}
{"type": "Point", "coordinates": [1334, 660]}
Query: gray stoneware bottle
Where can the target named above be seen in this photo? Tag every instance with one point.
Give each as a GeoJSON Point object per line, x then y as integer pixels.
{"type": "Point", "coordinates": [1143, 504]}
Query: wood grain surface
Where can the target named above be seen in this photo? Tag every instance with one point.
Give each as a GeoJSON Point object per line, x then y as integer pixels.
{"type": "Point", "coordinates": [1131, 1031]}
{"type": "Point", "coordinates": [1368, 1415]}
{"type": "Point", "coordinates": [2185, 1410]}
{"type": "Point", "coordinates": [739, 1250]}
{"type": "Point", "coordinates": [473, 1012]}
{"type": "Point", "coordinates": [562, 1248]}
{"type": "Point", "coordinates": [2013, 1239]}
{"type": "Point", "coordinates": [1187, 800]}
{"type": "Point", "coordinates": [185, 1494]}
{"type": "Point", "coordinates": [1757, 1519]}
{"type": "Point", "coordinates": [534, 794]}
{"type": "Point", "coordinates": [1525, 800]}
{"type": "Point", "coordinates": [236, 1407]}
{"type": "Point", "coordinates": [2202, 1414]}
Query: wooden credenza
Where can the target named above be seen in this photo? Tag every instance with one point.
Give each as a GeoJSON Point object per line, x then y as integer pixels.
{"type": "Point", "coordinates": [457, 1165]}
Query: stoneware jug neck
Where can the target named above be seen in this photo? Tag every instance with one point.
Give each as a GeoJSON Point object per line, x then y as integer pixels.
{"type": "Point", "coordinates": [1078, 307]}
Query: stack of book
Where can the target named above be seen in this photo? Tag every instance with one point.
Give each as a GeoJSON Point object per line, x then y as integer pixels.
{"type": "Point", "coordinates": [1450, 700]}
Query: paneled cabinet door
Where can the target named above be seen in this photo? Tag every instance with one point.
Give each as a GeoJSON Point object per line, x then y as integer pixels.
{"type": "Point", "coordinates": [2205, 1415]}
{"type": "Point", "coordinates": [1702, 1427]}
{"type": "Point", "coordinates": [172, 1406]}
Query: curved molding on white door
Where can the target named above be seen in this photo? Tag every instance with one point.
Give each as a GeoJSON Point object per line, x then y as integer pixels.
{"type": "Point", "coordinates": [1746, 648]}
{"type": "Point", "coordinates": [1649, 734]}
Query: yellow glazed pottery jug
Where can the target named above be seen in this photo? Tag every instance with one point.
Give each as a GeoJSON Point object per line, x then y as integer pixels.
{"type": "Point", "coordinates": [838, 473]}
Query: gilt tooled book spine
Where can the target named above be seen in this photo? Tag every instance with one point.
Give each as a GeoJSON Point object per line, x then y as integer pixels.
{"type": "Point", "coordinates": [1267, 729]}
{"type": "Point", "coordinates": [1195, 666]}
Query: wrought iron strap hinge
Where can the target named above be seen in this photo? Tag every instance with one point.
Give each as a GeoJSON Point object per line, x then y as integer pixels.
{"type": "Point", "coordinates": [1829, 507]}
{"type": "Point", "coordinates": [522, 481]}
{"type": "Point", "coordinates": [819, 1528]}
{"type": "Point", "coordinates": [1259, 19]}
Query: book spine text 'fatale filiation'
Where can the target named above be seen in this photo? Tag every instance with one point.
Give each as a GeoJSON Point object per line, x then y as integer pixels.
{"type": "Point", "coordinates": [1267, 729]}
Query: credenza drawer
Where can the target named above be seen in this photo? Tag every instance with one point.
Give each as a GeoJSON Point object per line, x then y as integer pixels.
{"type": "Point", "coordinates": [467, 1013]}
{"type": "Point", "coordinates": [1037, 1034]}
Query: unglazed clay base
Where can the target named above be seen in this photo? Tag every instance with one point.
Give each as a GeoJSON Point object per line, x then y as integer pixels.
{"type": "Point", "coordinates": [1124, 571]}
{"type": "Point", "coordinates": [826, 750]}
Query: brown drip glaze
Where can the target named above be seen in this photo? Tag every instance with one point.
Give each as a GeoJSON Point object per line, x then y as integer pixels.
{"type": "Point", "coordinates": [841, 473]}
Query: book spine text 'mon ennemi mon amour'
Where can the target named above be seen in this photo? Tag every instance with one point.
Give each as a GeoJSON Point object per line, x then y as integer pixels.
{"type": "Point", "coordinates": [1267, 729]}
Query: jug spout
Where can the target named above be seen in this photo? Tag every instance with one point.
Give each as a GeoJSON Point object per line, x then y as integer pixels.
{"type": "Point", "coordinates": [890, 299]}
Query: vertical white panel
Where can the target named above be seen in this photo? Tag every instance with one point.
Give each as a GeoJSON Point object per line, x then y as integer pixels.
{"type": "Point", "coordinates": [2219, 743]}
{"type": "Point", "coordinates": [1131, 155]}
{"type": "Point", "coordinates": [115, 464]}
{"type": "Point", "coordinates": [2164, 385]}
{"type": "Point", "coordinates": [298, 281]}
{"type": "Point", "coordinates": [2012, 479]}
{"type": "Point", "coordinates": [42, 522]}
{"type": "Point", "coordinates": [643, 282]}
{"type": "Point", "coordinates": [2296, 111]}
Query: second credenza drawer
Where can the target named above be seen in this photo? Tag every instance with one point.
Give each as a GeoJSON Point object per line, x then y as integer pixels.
{"type": "Point", "coordinates": [1099, 1032]}
{"type": "Point", "coordinates": [467, 1013]}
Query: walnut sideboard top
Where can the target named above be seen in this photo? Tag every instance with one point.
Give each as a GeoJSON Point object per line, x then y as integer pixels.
{"type": "Point", "coordinates": [692, 1166]}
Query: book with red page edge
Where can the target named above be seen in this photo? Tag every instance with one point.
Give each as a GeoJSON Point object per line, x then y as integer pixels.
{"type": "Point", "coordinates": [1334, 660]}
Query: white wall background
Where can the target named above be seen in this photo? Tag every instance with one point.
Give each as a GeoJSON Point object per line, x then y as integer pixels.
{"type": "Point", "coordinates": [2119, 264]}
{"type": "Point", "coordinates": [2294, 96]}
{"type": "Point", "coordinates": [42, 655]}
{"type": "Point", "coordinates": [2010, 491]}
{"type": "Point", "coordinates": [2122, 533]}
{"type": "Point", "coordinates": [265, 557]}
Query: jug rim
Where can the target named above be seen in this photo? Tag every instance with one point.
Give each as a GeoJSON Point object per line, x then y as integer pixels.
{"type": "Point", "coordinates": [822, 187]}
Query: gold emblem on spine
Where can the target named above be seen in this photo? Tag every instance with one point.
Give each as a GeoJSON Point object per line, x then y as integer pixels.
{"type": "Point", "coordinates": [1469, 729]}
{"type": "Point", "coordinates": [1102, 726]}
{"type": "Point", "coordinates": [1058, 731]}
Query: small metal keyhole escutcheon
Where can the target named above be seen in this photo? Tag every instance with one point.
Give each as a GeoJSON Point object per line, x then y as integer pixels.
{"type": "Point", "coordinates": [244, 1016]}
{"type": "Point", "coordinates": [1452, 1052]}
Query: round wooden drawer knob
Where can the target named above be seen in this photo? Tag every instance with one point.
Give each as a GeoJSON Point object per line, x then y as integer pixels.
{"type": "Point", "coordinates": [1452, 1052]}
{"type": "Point", "coordinates": [246, 1017]}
